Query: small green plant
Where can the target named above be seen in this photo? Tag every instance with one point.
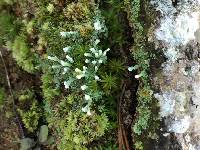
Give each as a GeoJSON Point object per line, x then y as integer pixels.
{"type": "Point", "coordinates": [48, 87]}
{"type": "Point", "coordinates": [31, 117]}
{"type": "Point", "coordinates": [109, 82]}
{"type": "Point", "coordinates": [29, 110]}
{"type": "Point", "coordinates": [23, 55]}
{"type": "Point", "coordinates": [79, 76]}
{"type": "Point", "coordinates": [116, 66]}
{"type": "Point", "coordinates": [8, 29]}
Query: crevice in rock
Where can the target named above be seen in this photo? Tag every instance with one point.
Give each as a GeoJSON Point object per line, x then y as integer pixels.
{"type": "Point", "coordinates": [175, 2]}
{"type": "Point", "coordinates": [121, 49]}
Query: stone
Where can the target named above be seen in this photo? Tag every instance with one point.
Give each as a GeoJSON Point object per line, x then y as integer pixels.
{"type": "Point", "coordinates": [178, 35]}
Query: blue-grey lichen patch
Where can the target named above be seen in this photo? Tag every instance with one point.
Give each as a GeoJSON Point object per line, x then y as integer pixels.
{"type": "Point", "coordinates": [179, 80]}
{"type": "Point", "coordinates": [178, 30]}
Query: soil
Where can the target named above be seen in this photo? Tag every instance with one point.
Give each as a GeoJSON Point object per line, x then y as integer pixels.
{"type": "Point", "coordinates": [20, 80]}
{"type": "Point", "coordinates": [127, 101]}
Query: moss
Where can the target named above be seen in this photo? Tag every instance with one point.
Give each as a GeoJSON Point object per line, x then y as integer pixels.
{"type": "Point", "coordinates": [8, 29]}
{"type": "Point", "coordinates": [7, 2]}
{"type": "Point", "coordinates": [48, 87]}
{"type": "Point", "coordinates": [2, 96]}
{"type": "Point", "coordinates": [147, 121]}
{"type": "Point", "coordinates": [29, 110]}
{"type": "Point", "coordinates": [139, 145]}
{"type": "Point", "coordinates": [77, 12]}
{"type": "Point", "coordinates": [30, 118]}
{"type": "Point", "coordinates": [43, 22]}
{"type": "Point", "coordinates": [87, 128]}
{"type": "Point", "coordinates": [116, 66]}
{"type": "Point", "coordinates": [109, 83]}
{"type": "Point", "coordinates": [23, 55]}
{"type": "Point", "coordinates": [74, 128]}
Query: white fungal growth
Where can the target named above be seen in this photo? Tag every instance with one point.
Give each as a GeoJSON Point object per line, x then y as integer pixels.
{"type": "Point", "coordinates": [97, 78]}
{"type": "Point", "coordinates": [70, 59]}
{"type": "Point", "coordinates": [172, 54]}
{"type": "Point", "coordinates": [65, 64]}
{"type": "Point", "coordinates": [167, 103]}
{"type": "Point", "coordinates": [67, 84]}
{"type": "Point", "coordinates": [53, 58]}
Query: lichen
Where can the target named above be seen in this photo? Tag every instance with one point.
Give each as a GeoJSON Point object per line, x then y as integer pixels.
{"type": "Point", "coordinates": [179, 82]}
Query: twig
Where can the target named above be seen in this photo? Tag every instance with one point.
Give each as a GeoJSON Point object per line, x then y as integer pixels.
{"type": "Point", "coordinates": [12, 97]}
{"type": "Point", "coordinates": [122, 138]}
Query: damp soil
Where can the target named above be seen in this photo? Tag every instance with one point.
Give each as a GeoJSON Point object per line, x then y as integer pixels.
{"type": "Point", "coordinates": [11, 126]}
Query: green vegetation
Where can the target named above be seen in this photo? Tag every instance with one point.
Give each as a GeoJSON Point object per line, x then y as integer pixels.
{"type": "Point", "coordinates": [72, 49]}
{"type": "Point", "coordinates": [147, 121]}
{"type": "Point", "coordinates": [29, 110]}
{"type": "Point", "coordinates": [2, 96]}
{"type": "Point", "coordinates": [8, 28]}
{"type": "Point", "coordinates": [22, 54]}
{"type": "Point", "coordinates": [49, 89]}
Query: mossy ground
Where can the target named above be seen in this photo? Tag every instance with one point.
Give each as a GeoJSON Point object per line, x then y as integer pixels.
{"type": "Point", "coordinates": [32, 34]}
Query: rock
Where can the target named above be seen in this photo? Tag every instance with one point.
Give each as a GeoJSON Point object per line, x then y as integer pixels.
{"type": "Point", "coordinates": [178, 35]}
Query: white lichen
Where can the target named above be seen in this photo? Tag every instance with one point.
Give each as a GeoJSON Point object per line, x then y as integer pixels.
{"type": "Point", "coordinates": [180, 125]}
{"type": "Point", "coordinates": [179, 79]}
{"type": "Point", "coordinates": [178, 30]}
{"type": "Point", "coordinates": [167, 103]}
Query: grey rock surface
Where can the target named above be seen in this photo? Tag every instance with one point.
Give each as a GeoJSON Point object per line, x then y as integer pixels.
{"type": "Point", "coordinates": [178, 35]}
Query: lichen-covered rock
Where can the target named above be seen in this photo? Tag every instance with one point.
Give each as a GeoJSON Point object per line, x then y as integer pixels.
{"type": "Point", "coordinates": [177, 34]}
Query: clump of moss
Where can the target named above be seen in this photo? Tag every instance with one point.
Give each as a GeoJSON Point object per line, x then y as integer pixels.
{"type": "Point", "coordinates": [48, 87]}
{"type": "Point", "coordinates": [77, 12]}
{"type": "Point", "coordinates": [85, 29]}
{"type": "Point", "coordinates": [29, 110]}
{"type": "Point", "coordinates": [8, 29]}
{"type": "Point", "coordinates": [31, 117]}
{"type": "Point", "coordinates": [43, 21]}
{"type": "Point", "coordinates": [75, 129]}
{"type": "Point", "coordinates": [87, 128]}
{"type": "Point", "coordinates": [109, 83]}
{"type": "Point", "coordinates": [23, 55]}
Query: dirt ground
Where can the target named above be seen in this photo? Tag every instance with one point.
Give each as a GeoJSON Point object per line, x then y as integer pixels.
{"type": "Point", "coordinates": [9, 127]}
{"type": "Point", "coordinates": [9, 134]}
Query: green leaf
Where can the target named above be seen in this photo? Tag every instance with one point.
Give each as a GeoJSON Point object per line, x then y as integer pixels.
{"type": "Point", "coordinates": [43, 134]}
{"type": "Point", "coordinates": [50, 140]}
{"type": "Point", "coordinates": [27, 143]}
